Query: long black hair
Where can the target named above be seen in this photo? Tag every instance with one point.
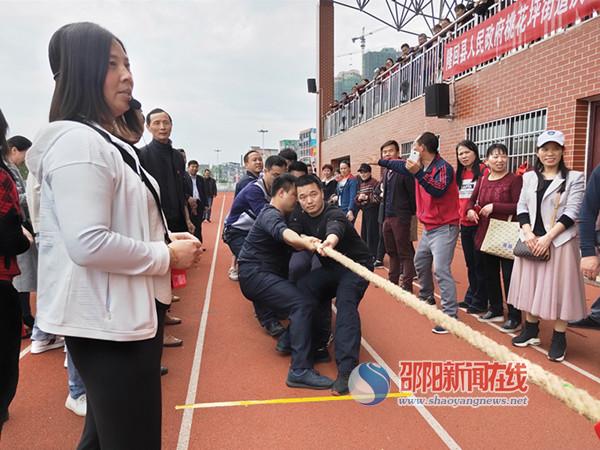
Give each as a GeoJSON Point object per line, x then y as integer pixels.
{"type": "Point", "coordinates": [79, 54]}
{"type": "Point", "coordinates": [562, 168]}
{"type": "Point", "coordinates": [3, 144]}
{"type": "Point", "coordinates": [475, 168]}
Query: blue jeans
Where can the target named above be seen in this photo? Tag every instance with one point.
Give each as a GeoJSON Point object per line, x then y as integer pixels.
{"type": "Point", "coordinates": [76, 386]}
{"type": "Point", "coordinates": [39, 335]}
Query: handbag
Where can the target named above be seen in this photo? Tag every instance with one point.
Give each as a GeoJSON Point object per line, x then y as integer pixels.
{"type": "Point", "coordinates": [523, 251]}
{"type": "Point", "coordinates": [501, 236]}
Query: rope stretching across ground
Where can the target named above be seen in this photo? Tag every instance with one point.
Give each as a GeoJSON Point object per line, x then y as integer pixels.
{"type": "Point", "coordinates": [577, 399]}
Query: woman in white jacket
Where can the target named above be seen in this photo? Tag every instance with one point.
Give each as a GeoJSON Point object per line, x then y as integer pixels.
{"type": "Point", "coordinates": [547, 210]}
{"type": "Point", "coordinates": [104, 252]}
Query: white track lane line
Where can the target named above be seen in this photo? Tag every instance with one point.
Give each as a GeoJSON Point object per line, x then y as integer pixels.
{"type": "Point", "coordinates": [25, 351]}
{"type": "Point", "coordinates": [424, 412]}
{"type": "Point", "coordinates": [566, 363]}
{"type": "Point", "coordinates": [186, 422]}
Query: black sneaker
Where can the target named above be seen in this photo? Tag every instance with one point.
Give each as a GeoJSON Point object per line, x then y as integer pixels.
{"type": "Point", "coordinates": [439, 330]}
{"type": "Point", "coordinates": [588, 322]}
{"type": "Point", "coordinates": [340, 386]}
{"type": "Point", "coordinates": [463, 305]}
{"type": "Point", "coordinates": [307, 379]}
{"type": "Point", "coordinates": [558, 348]}
{"type": "Point", "coordinates": [528, 336]}
{"type": "Point", "coordinates": [321, 355]}
{"type": "Point", "coordinates": [378, 263]}
{"type": "Point", "coordinates": [163, 371]}
{"type": "Point", "coordinates": [274, 328]}
{"type": "Point", "coordinates": [429, 300]}
{"type": "Point", "coordinates": [474, 311]}
{"type": "Point", "coordinates": [284, 346]}
{"type": "Point", "coordinates": [510, 325]}
{"type": "Point", "coordinates": [491, 316]}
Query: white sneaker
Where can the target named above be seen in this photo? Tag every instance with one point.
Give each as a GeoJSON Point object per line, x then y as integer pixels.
{"type": "Point", "coordinates": [48, 344]}
{"type": "Point", "coordinates": [233, 274]}
{"type": "Point", "coordinates": [78, 405]}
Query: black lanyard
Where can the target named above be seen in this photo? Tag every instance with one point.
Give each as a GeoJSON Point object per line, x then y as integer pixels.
{"type": "Point", "coordinates": [130, 161]}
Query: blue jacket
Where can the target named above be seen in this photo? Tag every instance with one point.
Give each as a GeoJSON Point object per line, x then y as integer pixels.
{"type": "Point", "coordinates": [247, 205]}
{"type": "Point", "coordinates": [588, 215]}
{"type": "Point", "coordinates": [346, 195]}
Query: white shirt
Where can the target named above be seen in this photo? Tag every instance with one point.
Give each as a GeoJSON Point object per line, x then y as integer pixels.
{"type": "Point", "coordinates": [195, 193]}
{"type": "Point", "coordinates": [102, 260]}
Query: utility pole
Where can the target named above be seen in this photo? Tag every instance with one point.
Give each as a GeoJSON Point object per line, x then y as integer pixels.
{"type": "Point", "coordinates": [263, 132]}
{"type": "Point", "coordinates": [217, 151]}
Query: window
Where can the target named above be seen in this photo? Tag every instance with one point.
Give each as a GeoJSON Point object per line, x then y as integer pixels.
{"type": "Point", "coordinates": [518, 133]}
{"type": "Point", "coordinates": [405, 149]}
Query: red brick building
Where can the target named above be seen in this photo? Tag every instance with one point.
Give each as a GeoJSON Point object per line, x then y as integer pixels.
{"type": "Point", "coordinates": [551, 83]}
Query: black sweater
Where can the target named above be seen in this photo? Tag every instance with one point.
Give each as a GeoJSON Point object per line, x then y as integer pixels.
{"type": "Point", "coordinates": [332, 221]}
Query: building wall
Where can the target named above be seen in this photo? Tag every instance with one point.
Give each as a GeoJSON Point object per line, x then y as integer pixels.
{"type": "Point", "coordinates": [344, 82]}
{"type": "Point", "coordinates": [374, 60]}
{"type": "Point", "coordinates": [559, 74]}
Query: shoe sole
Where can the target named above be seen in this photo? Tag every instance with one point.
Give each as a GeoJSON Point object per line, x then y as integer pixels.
{"type": "Point", "coordinates": [493, 319]}
{"type": "Point", "coordinates": [72, 409]}
{"type": "Point", "coordinates": [293, 384]}
{"type": "Point", "coordinates": [508, 330]}
{"type": "Point", "coordinates": [179, 344]}
{"type": "Point", "coordinates": [283, 352]}
{"type": "Point", "coordinates": [559, 359]}
{"type": "Point", "coordinates": [434, 331]}
{"type": "Point", "coordinates": [532, 341]}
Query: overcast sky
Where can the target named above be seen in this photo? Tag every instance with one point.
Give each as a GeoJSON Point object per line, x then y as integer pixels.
{"type": "Point", "coordinates": [222, 68]}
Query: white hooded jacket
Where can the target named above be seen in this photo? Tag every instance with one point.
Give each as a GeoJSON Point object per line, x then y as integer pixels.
{"type": "Point", "coordinates": [98, 257]}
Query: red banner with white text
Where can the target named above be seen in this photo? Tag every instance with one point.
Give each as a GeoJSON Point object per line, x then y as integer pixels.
{"type": "Point", "coordinates": [520, 23]}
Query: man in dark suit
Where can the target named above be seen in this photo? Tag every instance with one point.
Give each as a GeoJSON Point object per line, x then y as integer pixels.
{"type": "Point", "coordinates": [196, 197]}
{"type": "Point", "coordinates": [210, 189]}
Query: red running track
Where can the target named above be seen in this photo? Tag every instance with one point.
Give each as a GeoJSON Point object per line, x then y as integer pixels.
{"type": "Point", "coordinates": [233, 359]}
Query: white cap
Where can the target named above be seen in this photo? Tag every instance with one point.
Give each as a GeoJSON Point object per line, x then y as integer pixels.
{"type": "Point", "coordinates": [551, 136]}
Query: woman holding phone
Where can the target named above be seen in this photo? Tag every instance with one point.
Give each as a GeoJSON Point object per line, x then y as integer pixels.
{"type": "Point", "coordinates": [100, 217]}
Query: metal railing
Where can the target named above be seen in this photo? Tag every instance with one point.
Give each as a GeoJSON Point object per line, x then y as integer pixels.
{"type": "Point", "coordinates": [406, 81]}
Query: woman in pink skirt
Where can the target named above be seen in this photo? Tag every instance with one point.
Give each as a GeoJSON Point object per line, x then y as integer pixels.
{"type": "Point", "coordinates": [548, 208]}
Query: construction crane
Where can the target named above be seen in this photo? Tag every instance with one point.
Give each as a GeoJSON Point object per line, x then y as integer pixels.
{"type": "Point", "coordinates": [363, 41]}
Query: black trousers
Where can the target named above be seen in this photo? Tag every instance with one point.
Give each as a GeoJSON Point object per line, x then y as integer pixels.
{"type": "Point", "coordinates": [301, 263]}
{"type": "Point", "coordinates": [235, 238]}
{"type": "Point", "coordinates": [493, 266]}
{"type": "Point", "coordinates": [476, 295]}
{"type": "Point", "coordinates": [369, 229]}
{"type": "Point", "coordinates": [197, 221]}
{"type": "Point", "coordinates": [122, 381]}
{"type": "Point", "coordinates": [334, 281]}
{"type": "Point", "coordinates": [10, 344]}
{"type": "Point", "coordinates": [278, 294]}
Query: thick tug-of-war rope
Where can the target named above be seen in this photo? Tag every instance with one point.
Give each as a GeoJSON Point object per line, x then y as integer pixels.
{"type": "Point", "coordinates": [577, 399]}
